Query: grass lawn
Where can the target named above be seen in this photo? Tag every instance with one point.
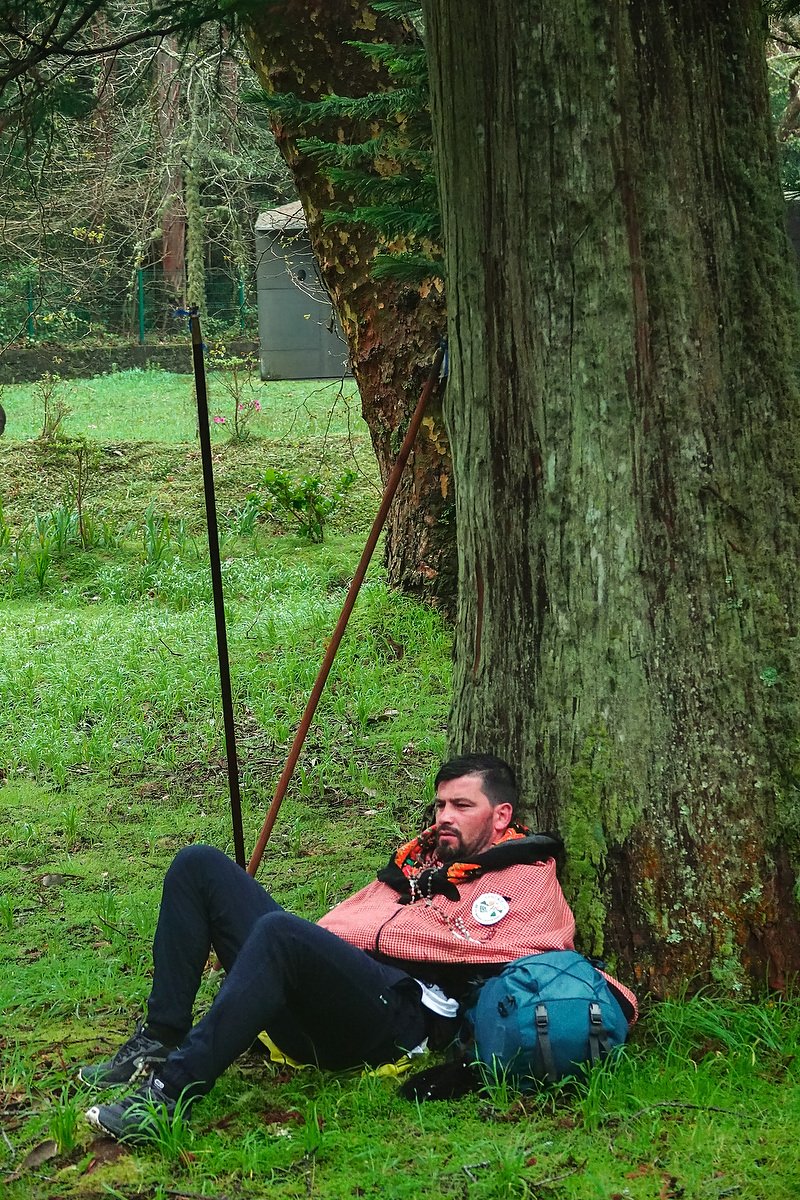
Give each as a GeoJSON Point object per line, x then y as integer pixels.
{"type": "Point", "coordinates": [156, 406]}
{"type": "Point", "coordinates": [112, 757]}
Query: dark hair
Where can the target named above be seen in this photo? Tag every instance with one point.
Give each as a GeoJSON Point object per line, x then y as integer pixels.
{"type": "Point", "coordinates": [497, 778]}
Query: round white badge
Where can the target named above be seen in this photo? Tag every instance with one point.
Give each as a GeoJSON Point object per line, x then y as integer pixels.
{"type": "Point", "coordinates": [489, 908]}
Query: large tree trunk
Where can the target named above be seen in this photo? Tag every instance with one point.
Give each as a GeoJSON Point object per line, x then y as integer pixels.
{"type": "Point", "coordinates": [623, 413]}
{"type": "Point", "coordinates": [392, 329]}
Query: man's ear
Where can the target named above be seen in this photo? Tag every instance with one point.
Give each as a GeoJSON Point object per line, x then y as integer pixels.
{"type": "Point", "coordinates": [503, 814]}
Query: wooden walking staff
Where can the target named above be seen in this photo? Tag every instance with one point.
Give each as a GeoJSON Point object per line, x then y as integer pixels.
{"type": "Point", "coordinates": [341, 625]}
{"type": "Point", "coordinates": [216, 585]}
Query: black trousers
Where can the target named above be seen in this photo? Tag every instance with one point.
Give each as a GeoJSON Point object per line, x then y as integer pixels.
{"type": "Point", "coordinates": [320, 999]}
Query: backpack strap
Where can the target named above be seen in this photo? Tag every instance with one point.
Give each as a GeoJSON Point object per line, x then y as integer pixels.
{"type": "Point", "coordinates": [598, 1034]}
{"type": "Point", "coordinates": [543, 1038]}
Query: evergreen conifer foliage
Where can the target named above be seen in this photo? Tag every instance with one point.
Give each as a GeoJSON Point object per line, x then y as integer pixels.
{"type": "Point", "coordinates": [388, 176]}
{"type": "Point", "coordinates": [310, 53]}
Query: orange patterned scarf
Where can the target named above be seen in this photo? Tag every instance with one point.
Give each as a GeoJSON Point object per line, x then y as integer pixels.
{"type": "Point", "coordinates": [419, 855]}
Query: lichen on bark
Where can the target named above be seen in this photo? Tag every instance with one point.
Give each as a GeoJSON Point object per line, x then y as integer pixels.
{"type": "Point", "coordinates": [623, 411]}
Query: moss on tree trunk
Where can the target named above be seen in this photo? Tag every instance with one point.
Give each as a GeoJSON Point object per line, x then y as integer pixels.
{"type": "Point", "coordinates": [392, 328]}
{"type": "Point", "coordinates": [623, 413]}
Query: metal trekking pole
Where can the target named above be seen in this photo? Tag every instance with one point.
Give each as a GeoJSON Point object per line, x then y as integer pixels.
{"type": "Point", "coordinates": [350, 599]}
{"type": "Point", "coordinates": [216, 585]}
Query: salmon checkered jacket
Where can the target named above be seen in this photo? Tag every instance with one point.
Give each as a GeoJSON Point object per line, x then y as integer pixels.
{"type": "Point", "coordinates": [498, 916]}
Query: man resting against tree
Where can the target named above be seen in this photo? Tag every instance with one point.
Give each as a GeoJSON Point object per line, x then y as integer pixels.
{"type": "Point", "coordinates": [373, 978]}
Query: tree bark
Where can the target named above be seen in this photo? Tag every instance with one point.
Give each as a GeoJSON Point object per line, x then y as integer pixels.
{"type": "Point", "coordinates": [173, 215]}
{"type": "Point", "coordinates": [623, 414]}
{"type": "Point", "coordinates": [392, 328]}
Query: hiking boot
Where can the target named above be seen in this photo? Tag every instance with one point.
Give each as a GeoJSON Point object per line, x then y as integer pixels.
{"type": "Point", "coordinates": [139, 1117]}
{"type": "Point", "coordinates": [134, 1059]}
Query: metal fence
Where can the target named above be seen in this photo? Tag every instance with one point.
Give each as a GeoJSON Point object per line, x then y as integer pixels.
{"type": "Point", "coordinates": [41, 309]}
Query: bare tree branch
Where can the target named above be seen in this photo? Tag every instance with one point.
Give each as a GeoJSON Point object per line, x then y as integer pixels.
{"type": "Point", "coordinates": [47, 47]}
{"type": "Point", "coordinates": [790, 120]}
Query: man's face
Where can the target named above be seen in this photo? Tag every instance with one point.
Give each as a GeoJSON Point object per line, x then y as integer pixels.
{"type": "Point", "coordinates": [466, 821]}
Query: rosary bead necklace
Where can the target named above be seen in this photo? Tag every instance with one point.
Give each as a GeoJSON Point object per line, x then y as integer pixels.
{"type": "Point", "coordinates": [455, 924]}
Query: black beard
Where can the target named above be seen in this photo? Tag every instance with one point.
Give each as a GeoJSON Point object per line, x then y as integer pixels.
{"type": "Point", "coordinates": [451, 852]}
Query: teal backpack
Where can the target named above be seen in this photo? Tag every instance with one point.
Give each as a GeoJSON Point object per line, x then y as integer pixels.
{"type": "Point", "coordinates": [545, 1017]}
